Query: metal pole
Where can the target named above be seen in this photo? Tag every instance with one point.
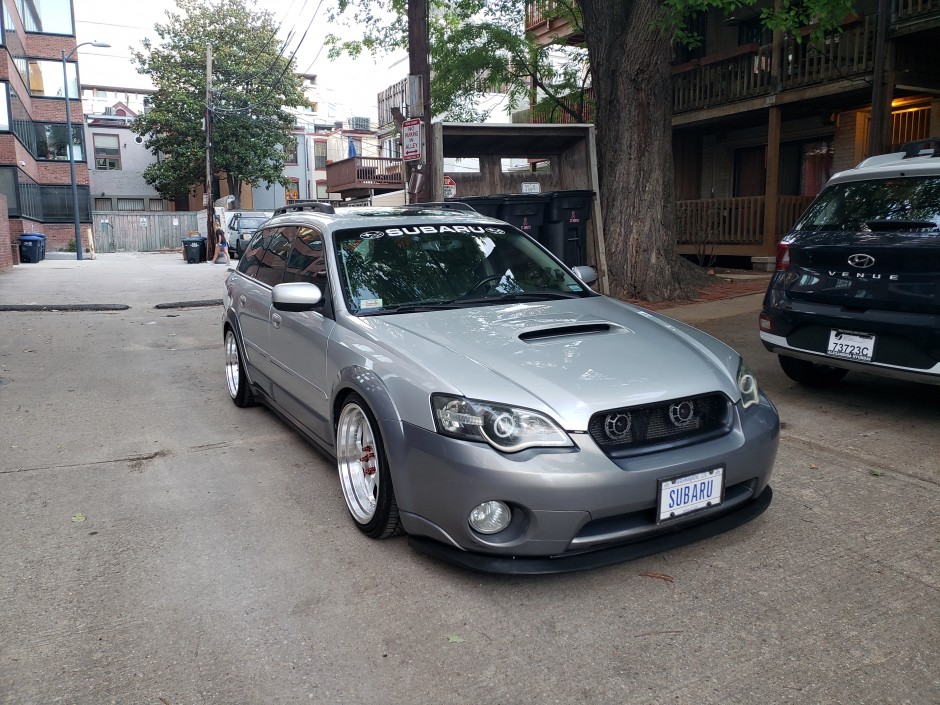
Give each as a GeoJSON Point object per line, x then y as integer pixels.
{"type": "Point", "coordinates": [210, 206]}
{"type": "Point", "coordinates": [71, 145]}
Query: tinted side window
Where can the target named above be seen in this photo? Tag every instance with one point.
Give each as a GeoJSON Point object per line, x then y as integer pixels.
{"type": "Point", "coordinates": [273, 260]}
{"type": "Point", "coordinates": [250, 261]}
{"type": "Point", "coordinates": [306, 263]}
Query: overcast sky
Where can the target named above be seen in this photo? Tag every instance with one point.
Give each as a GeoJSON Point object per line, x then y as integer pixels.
{"type": "Point", "coordinates": [124, 23]}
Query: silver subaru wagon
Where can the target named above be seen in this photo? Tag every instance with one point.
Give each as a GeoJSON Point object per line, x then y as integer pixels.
{"type": "Point", "coordinates": [477, 394]}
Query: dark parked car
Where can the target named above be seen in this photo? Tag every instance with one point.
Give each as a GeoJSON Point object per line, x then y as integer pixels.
{"type": "Point", "coordinates": [857, 284]}
{"type": "Point", "coordinates": [476, 393]}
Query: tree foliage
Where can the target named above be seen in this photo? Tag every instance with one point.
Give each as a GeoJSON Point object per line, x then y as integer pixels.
{"type": "Point", "coordinates": [252, 81]}
{"type": "Point", "coordinates": [623, 54]}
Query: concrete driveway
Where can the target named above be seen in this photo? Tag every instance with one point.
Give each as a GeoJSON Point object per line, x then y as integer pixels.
{"type": "Point", "coordinates": [160, 545]}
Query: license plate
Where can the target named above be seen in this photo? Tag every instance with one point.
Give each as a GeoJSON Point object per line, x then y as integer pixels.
{"type": "Point", "coordinates": [683, 495]}
{"type": "Point", "coordinates": [851, 346]}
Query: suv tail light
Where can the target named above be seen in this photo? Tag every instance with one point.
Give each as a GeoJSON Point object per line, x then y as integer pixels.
{"type": "Point", "coordinates": [783, 256]}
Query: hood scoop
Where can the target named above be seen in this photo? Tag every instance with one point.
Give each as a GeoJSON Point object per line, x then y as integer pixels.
{"type": "Point", "coordinates": [566, 331]}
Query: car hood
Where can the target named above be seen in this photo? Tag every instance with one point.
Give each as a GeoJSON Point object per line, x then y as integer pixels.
{"type": "Point", "coordinates": [570, 358]}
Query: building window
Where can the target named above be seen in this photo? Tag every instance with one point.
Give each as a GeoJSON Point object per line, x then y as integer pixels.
{"type": "Point", "coordinates": [293, 191]}
{"type": "Point", "coordinates": [156, 204]}
{"type": "Point", "coordinates": [319, 155]}
{"type": "Point", "coordinates": [102, 204]}
{"type": "Point", "coordinates": [52, 141]}
{"type": "Point", "coordinates": [47, 17]}
{"type": "Point", "coordinates": [290, 151]}
{"type": "Point", "coordinates": [130, 204]}
{"type": "Point", "coordinates": [107, 152]}
{"type": "Point", "coordinates": [44, 78]}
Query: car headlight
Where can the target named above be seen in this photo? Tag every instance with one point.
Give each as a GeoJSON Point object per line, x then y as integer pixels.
{"type": "Point", "coordinates": [747, 385]}
{"type": "Point", "coordinates": [507, 428]}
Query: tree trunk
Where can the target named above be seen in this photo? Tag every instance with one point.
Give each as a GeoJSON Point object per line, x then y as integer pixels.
{"type": "Point", "coordinates": [630, 70]}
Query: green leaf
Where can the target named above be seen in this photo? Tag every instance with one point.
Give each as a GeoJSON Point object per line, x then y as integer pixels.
{"type": "Point", "coordinates": [454, 639]}
{"type": "Point", "coordinates": [79, 517]}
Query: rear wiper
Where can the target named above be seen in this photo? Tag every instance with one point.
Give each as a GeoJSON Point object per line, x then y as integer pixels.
{"type": "Point", "coordinates": [898, 225]}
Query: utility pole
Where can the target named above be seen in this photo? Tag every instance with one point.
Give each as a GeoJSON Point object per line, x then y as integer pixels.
{"type": "Point", "coordinates": [419, 65]}
{"type": "Point", "coordinates": [210, 211]}
{"type": "Point", "coordinates": [881, 92]}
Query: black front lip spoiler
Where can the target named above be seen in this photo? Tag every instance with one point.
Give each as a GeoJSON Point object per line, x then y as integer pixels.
{"type": "Point", "coordinates": [525, 565]}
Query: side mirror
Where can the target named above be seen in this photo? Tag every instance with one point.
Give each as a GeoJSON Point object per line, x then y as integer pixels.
{"type": "Point", "coordinates": [585, 274]}
{"type": "Point", "coordinates": [296, 296]}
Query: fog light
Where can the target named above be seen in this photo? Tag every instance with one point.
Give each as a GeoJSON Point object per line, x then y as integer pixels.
{"type": "Point", "coordinates": [490, 517]}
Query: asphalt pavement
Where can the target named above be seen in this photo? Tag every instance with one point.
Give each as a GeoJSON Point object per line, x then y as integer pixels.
{"type": "Point", "coordinates": [161, 546]}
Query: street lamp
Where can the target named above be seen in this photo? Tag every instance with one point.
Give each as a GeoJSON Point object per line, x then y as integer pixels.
{"type": "Point", "coordinates": [71, 141]}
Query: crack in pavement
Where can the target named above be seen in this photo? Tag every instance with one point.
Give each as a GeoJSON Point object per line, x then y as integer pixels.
{"type": "Point", "coordinates": [136, 462]}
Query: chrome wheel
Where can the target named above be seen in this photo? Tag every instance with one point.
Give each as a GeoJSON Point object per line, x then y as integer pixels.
{"type": "Point", "coordinates": [232, 364]}
{"type": "Point", "coordinates": [358, 463]}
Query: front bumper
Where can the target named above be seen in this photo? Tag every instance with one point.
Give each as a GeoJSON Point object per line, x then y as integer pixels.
{"type": "Point", "coordinates": [572, 507]}
{"type": "Point", "coordinates": [568, 563]}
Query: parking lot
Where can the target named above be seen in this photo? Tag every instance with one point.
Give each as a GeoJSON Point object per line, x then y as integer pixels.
{"type": "Point", "coordinates": [160, 545]}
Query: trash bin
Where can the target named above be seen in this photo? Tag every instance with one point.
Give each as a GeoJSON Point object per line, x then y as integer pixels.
{"type": "Point", "coordinates": [526, 211]}
{"type": "Point", "coordinates": [42, 244]}
{"type": "Point", "coordinates": [484, 205]}
{"type": "Point", "coordinates": [565, 229]}
{"type": "Point", "coordinates": [194, 249]}
{"type": "Point", "coordinates": [30, 248]}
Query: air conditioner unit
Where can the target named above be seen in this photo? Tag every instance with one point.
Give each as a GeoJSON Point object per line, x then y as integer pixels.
{"type": "Point", "coordinates": [359, 123]}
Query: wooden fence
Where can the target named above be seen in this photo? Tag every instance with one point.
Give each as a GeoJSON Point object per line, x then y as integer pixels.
{"type": "Point", "coordinates": [143, 231]}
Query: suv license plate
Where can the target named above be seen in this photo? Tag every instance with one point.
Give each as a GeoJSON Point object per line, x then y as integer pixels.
{"type": "Point", "coordinates": [851, 346]}
{"type": "Point", "coordinates": [685, 494]}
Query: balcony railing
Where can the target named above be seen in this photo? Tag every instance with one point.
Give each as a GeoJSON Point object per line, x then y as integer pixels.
{"type": "Point", "coordinates": [915, 8]}
{"type": "Point", "coordinates": [743, 72]}
{"type": "Point", "coordinates": [719, 222]}
{"type": "Point", "coordinates": [364, 173]}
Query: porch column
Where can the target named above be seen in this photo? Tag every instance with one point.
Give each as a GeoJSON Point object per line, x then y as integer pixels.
{"type": "Point", "coordinates": [771, 188]}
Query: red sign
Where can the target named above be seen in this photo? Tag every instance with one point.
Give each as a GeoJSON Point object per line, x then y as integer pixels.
{"type": "Point", "coordinates": [450, 187]}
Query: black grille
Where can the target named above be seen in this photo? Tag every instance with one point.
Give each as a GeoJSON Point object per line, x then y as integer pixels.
{"type": "Point", "coordinates": [630, 430]}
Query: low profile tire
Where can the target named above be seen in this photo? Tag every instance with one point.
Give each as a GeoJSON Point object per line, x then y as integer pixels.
{"type": "Point", "coordinates": [363, 471]}
{"type": "Point", "coordinates": [236, 381]}
{"type": "Point", "coordinates": [809, 373]}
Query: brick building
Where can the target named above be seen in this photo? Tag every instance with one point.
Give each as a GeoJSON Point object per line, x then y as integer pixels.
{"type": "Point", "coordinates": [34, 166]}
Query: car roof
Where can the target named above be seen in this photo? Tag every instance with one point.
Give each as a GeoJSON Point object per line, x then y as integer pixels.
{"type": "Point", "coordinates": [920, 158]}
{"type": "Point", "coordinates": [377, 216]}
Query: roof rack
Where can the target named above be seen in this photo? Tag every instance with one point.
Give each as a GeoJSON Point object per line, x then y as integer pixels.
{"type": "Point", "coordinates": [442, 206]}
{"type": "Point", "coordinates": [297, 206]}
{"type": "Point", "coordinates": [914, 149]}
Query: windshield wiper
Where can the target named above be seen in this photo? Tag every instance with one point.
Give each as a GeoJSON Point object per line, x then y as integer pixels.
{"type": "Point", "coordinates": [518, 296]}
{"type": "Point", "coordinates": [413, 307]}
{"type": "Point", "coordinates": [899, 225]}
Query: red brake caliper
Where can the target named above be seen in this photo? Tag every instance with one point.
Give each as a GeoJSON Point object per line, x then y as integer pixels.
{"type": "Point", "coordinates": [368, 467]}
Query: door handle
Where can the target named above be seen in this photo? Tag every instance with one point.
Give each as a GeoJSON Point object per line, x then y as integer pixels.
{"type": "Point", "coordinates": [276, 320]}
{"type": "Point", "coordinates": [241, 301]}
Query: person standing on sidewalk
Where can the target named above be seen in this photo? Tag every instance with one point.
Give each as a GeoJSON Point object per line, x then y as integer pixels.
{"type": "Point", "coordinates": [221, 248]}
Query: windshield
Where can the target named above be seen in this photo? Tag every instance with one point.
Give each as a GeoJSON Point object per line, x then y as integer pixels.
{"type": "Point", "coordinates": [416, 267]}
{"type": "Point", "coordinates": [911, 203]}
{"type": "Point", "coordinates": [250, 223]}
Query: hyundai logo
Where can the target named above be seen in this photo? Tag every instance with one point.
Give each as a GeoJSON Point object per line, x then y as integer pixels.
{"type": "Point", "coordinates": [861, 261]}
